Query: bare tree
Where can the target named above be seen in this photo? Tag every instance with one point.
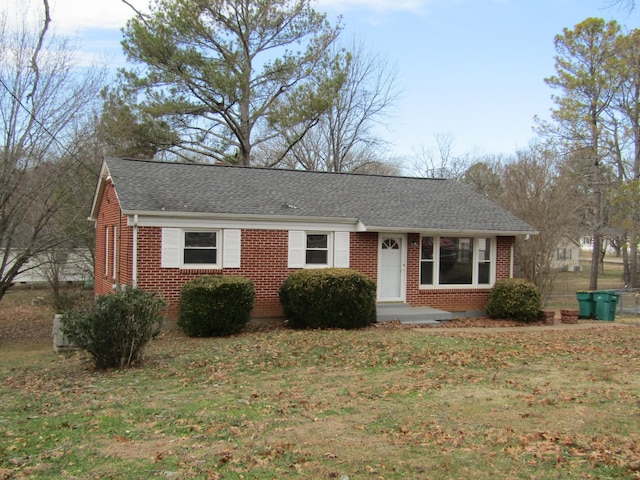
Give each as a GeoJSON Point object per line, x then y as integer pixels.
{"type": "Point", "coordinates": [534, 186]}
{"type": "Point", "coordinates": [623, 127]}
{"type": "Point", "coordinates": [484, 175]}
{"type": "Point", "coordinates": [44, 99]}
{"type": "Point", "coordinates": [442, 162]}
{"type": "Point", "coordinates": [346, 137]}
{"type": "Point", "coordinates": [628, 5]}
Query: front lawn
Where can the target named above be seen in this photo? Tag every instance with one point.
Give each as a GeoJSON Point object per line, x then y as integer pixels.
{"type": "Point", "coordinates": [381, 403]}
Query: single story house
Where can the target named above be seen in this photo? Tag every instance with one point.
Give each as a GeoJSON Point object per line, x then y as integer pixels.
{"type": "Point", "coordinates": [75, 266]}
{"type": "Point", "coordinates": [567, 257]}
{"type": "Point", "coordinates": [424, 242]}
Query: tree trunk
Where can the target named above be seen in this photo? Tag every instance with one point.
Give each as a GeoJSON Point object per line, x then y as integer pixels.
{"type": "Point", "coordinates": [626, 264]}
{"type": "Point", "coordinates": [633, 262]}
{"type": "Point", "coordinates": [4, 286]}
{"type": "Point", "coordinates": [595, 261]}
{"type": "Point", "coordinates": [597, 221]}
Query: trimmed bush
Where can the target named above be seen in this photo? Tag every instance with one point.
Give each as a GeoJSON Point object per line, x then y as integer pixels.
{"type": "Point", "coordinates": [328, 298]}
{"type": "Point", "coordinates": [514, 299]}
{"type": "Point", "coordinates": [116, 328]}
{"type": "Point", "coordinates": [215, 305]}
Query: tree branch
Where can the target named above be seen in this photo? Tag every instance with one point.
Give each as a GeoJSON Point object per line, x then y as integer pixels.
{"type": "Point", "coordinates": [36, 52]}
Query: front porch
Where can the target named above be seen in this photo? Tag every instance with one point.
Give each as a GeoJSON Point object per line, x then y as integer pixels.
{"type": "Point", "coordinates": [408, 315]}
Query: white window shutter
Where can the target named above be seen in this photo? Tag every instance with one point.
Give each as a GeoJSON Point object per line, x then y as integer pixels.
{"type": "Point", "coordinates": [341, 249]}
{"type": "Point", "coordinates": [171, 251]}
{"type": "Point", "coordinates": [231, 249]}
{"type": "Point", "coordinates": [297, 249]}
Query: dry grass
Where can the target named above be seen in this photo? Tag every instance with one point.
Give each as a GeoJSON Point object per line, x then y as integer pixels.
{"type": "Point", "coordinates": [380, 403]}
{"type": "Point", "coordinates": [568, 283]}
{"type": "Point", "coordinates": [390, 403]}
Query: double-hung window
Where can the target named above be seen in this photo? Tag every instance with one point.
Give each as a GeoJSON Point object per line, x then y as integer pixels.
{"type": "Point", "coordinates": [200, 248]}
{"type": "Point", "coordinates": [427, 261]}
{"type": "Point", "coordinates": [484, 261]}
{"type": "Point", "coordinates": [457, 261]}
{"type": "Point", "coordinates": [317, 250]}
{"type": "Point", "coordinates": [191, 248]}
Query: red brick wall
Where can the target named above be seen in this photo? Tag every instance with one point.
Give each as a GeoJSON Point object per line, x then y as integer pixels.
{"type": "Point", "coordinates": [109, 216]}
{"type": "Point", "coordinates": [264, 261]}
{"type": "Point", "coordinates": [503, 265]}
{"type": "Point", "coordinates": [363, 253]}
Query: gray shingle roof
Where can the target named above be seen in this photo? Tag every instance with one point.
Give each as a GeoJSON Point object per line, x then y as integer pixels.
{"type": "Point", "coordinates": [379, 202]}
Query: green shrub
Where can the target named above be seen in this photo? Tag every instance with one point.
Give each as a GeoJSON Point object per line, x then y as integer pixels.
{"type": "Point", "coordinates": [115, 329]}
{"type": "Point", "coordinates": [328, 298]}
{"type": "Point", "coordinates": [215, 306]}
{"type": "Point", "coordinates": [514, 299]}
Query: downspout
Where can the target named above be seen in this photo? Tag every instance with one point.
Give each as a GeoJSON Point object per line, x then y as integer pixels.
{"type": "Point", "coordinates": [118, 259]}
{"type": "Point", "coordinates": [134, 267]}
{"type": "Point", "coordinates": [512, 259]}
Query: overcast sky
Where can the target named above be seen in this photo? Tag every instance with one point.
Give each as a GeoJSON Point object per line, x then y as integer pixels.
{"type": "Point", "coordinates": [473, 69]}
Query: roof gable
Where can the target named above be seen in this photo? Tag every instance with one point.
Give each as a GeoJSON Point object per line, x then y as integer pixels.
{"type": "Point", "coordinates": [378, 202]}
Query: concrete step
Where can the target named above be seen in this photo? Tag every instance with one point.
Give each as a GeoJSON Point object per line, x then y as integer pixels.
{"type": "Point", "coordinates": [408, 315]}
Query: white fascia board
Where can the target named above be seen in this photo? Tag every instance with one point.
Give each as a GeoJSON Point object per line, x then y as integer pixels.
{"type": "Point", "coordinates": [256, 222]}
{"type": "Point", "coordinates": [97, 195]}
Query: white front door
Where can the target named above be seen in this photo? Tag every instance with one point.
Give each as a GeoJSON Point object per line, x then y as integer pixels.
{"type": "Point", "coordinates": [391, 268]}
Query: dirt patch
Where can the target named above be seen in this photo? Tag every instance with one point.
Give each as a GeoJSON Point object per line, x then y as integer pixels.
{"type": "Point", "coordinates": [474, 322]}
{"type": "Point", "coordinates": [154, 449]}
{"type": "Point", "coordinates": [25, 316]}
{"type": "Point", "coordinates": [485, 322]}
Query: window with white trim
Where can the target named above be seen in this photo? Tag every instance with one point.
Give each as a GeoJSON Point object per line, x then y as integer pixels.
{"type": "Point", "coordinates": [457, 261]}
{"type": "Point", "coordinates": [311, 249]}
{"type": "Point", "coordinates": [200, 248]}
{"type": "Point", "coordinates": [484, 261]}
{"type": "Point", "coordinates": [317, 249]}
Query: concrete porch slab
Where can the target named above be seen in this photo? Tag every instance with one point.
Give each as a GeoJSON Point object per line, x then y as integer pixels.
{"type": "Point", "coordinates": [408, 315]}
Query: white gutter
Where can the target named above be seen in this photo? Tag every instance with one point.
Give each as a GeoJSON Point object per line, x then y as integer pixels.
{"type": "Point", "coordinates": [359, 226]}
{"type": "Point", "coordinates": [244, 217]}
{"type": "Point", "coordinates": [471, 233]}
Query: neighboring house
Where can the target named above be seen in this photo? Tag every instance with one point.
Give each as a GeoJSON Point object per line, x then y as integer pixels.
{"type": "Point", "coordinates": [425, 242]}
{"type": "Point", "coordinates": [75, 267]}
{"type": "Point", "coordinates": [567, 257]}
{"type": "Point", "coordinates": [586, 245]}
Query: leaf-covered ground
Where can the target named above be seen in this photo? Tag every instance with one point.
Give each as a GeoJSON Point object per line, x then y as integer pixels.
{"type": "Point", "coordinates": [25, 316]}
{"type": "Point", "coordinates": [476, 399]}
{"type": "Point", "coordinates": [381, 403]}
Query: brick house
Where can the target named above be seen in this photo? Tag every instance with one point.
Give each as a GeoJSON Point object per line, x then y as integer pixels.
{"type": "Point", "coordinates": [425, 242]}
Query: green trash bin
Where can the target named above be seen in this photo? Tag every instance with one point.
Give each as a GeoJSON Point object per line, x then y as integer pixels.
{"type": "Point", "coordinates": [586, 304]}
{"type": "Point", "coordinates": [606, 302]}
